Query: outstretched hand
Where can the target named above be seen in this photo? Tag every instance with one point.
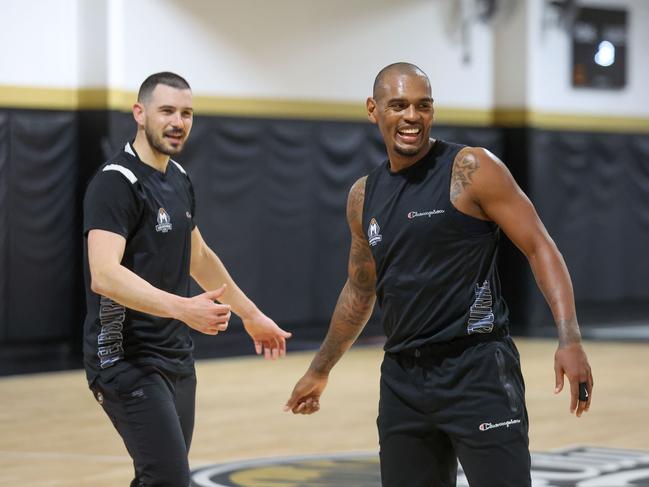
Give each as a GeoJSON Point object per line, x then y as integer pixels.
{"type": "Point", "coordinates": [571, 360]}
{"type": "Point", "coordinates": [202, 313]}
{"type": "Point", "coordinates": [269, 338]}
{"type": "Point", "coordinates": [305, 398]}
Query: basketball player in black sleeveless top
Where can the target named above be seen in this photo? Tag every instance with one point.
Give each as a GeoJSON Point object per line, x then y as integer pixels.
{"type": "Point", "coordinates": [425, 227]}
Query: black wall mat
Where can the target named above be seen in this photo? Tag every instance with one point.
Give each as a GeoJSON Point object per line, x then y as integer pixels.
{"type": "Point", "coordinates": [271, 202]}
{"type": "Point", "coordinates": [592, 192]}
{"type": "Point", "coordinates": [40, 214]}
{"type": "Point", "coordinates": [4, 227]}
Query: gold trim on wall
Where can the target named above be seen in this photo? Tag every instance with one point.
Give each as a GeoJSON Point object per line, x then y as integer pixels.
{"type": "Point", "coordinates": [53, 98]}
{"type": "Point", "coordinates": [595, 123]}
{"type": "Point", "coordinates": [280, 108]}
{"type": "Point", "coordinates": [121, 100]}
{"type": "Point", "coordinates": [567, 121]}
{"type": "Point", "coordinates": [463, 116]}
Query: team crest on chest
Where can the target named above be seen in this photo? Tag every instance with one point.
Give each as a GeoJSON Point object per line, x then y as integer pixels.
{"type": "Point", "coordinates": [373, 234]}
{"type": "Point", "coordinates": [164, 221]}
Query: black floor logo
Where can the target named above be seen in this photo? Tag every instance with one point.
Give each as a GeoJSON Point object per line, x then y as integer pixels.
{"type": "Point", "coordinates": [570, 467]}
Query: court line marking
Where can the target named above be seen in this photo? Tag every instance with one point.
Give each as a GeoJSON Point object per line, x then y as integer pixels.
{"type": "Point", "coordinates": [41, 455]}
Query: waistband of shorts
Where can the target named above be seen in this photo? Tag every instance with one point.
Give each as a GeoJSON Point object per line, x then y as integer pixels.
{"type": "Point", "coordinates": [452, 347]}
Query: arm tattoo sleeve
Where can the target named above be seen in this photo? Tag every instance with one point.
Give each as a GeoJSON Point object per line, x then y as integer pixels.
{"type": "Point", "coordinates": [356, 300]}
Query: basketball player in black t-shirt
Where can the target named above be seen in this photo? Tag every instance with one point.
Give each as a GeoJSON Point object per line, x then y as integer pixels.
{"type": "Point", "coordinates": [142, 245]}
{"type": "Point", "coordinates": [425, 227]}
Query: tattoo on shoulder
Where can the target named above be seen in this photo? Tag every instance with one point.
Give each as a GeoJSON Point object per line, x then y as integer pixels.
{"type": "Point", "coordinates": [355, 200]}
{"type": "Point", "coordinates": [464, 166]}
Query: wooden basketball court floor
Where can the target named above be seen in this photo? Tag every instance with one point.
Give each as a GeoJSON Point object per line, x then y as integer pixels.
{"type": "Point", "coordinates": [53, 433]}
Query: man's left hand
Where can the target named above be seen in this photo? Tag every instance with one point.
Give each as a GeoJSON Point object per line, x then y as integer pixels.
{"type": "Point", "coordinates": [571, 360]}
{"type": "Point", "coordinates": [269, 338]}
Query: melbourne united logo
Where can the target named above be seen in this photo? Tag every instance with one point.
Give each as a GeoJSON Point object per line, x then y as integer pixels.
{"type": "Point", "coordinates": [373, 232]}
{"type": "Point", "coordinates": [164, 222]}
{"type": "Point", "coordinates": [581, 466]}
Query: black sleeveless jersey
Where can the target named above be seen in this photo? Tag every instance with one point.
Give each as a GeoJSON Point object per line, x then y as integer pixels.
{"type": "Point", "coordinates": [435, 266]}
{"type": "Point", "coordinates": [154, 212]}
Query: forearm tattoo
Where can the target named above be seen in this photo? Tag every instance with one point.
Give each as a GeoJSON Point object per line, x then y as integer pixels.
{"type": "Point", "coordinates": [352, 311]}
{"type": "Point", "coordinates": [357, 298]}
{"type": "Point", "coordinates": [462, 175]}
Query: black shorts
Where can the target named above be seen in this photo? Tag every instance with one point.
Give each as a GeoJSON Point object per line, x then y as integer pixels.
{"type": "Point", "coordinates": [454, 402]}
{"type": "Point", "coordinates": [153, 411]}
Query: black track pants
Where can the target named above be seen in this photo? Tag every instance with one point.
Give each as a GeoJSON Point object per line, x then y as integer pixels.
{"type": "Point", "coordinates": [154, 414]}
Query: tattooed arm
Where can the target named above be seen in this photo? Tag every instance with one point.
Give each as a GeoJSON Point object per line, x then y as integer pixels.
{"type": "Point", "coordinates": [481, 186]}
{"type": "Point", "coordinates": [352, 311]}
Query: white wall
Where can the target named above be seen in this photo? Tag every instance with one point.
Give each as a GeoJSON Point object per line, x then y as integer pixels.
{"type": "Point", "coordinates": [310, 50]}
{"type": "Point", "coordinates": [511, 61]}
{"type": "Point", "coordinates": [39, 43]}
{"type": "Point", "coordinates": [298, 49]}
{"type": "Point", "coordinates": [92, 43]}
{"type": "Point", "coordinates": [533, 64]}
{"type": "Point", "coordinates": [550, 89]}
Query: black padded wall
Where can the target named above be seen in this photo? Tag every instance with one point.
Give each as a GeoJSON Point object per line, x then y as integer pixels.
{"type": "Point", "coordinates": [271, 199]}
{"type": "Point", "coordinates": [518, 284]}
{"type": "Point", "coordinates": [271, 202]}
{"type": "Point", "coordinates": [40, 228]}
{"type": "Point", "coordinates": [592, 191]}
{"type": "Point", "coordinates": [4, 228]}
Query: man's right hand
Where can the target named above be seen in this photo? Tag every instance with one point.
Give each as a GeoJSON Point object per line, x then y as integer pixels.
{"type": "Point", "coordinates": [202, 313]}
{"type": "Point", "coordinates": [305, 398]}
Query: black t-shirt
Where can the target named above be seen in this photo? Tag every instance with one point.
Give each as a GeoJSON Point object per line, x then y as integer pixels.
{"type": "Point", "coordinates": [435, 266]}
{"type": "Point", "coordinates": [154, 212]}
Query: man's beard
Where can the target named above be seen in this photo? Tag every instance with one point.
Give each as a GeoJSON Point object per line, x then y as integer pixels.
{"type": "Point", "coordinates": [407, 152]}
{"type": "Point", "coordinates": [158, 144]}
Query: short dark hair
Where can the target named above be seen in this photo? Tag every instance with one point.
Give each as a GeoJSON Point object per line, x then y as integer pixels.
{"type": "Point", "coordinates": [399, 67]}
{"type": "Point", "coordinates": [166, 78]}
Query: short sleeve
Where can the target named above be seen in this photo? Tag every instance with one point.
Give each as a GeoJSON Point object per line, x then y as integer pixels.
{"type": "Point", "coordinates": [111, 203]}
{"type": "Point", "coordinates": [192, 202]}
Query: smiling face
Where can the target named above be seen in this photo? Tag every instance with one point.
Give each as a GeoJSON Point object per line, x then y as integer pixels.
{"type": "Point", "coordinates": [166, 117]}
{"type": "Point", "coordinates": [402, 107]}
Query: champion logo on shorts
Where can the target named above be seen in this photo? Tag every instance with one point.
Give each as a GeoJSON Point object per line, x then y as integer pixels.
{"type": "Point", "coordinates": [490, 426]}
{"type": "Point", "coordinates": [373, 234]}
{"type": "Point", "coordinates": [164, 221]}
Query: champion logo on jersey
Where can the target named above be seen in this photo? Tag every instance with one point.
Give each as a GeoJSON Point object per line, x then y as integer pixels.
{"type": "Point", "coordinates": [428, 213]}
{"type": "Point", "coordinates": [373, 232]}
{"type": "Point", "coordinates": [164, 221]}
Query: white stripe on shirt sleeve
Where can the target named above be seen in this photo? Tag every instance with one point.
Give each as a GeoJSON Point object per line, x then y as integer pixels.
{"type": "Point", "coordinates": [128, 174]}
